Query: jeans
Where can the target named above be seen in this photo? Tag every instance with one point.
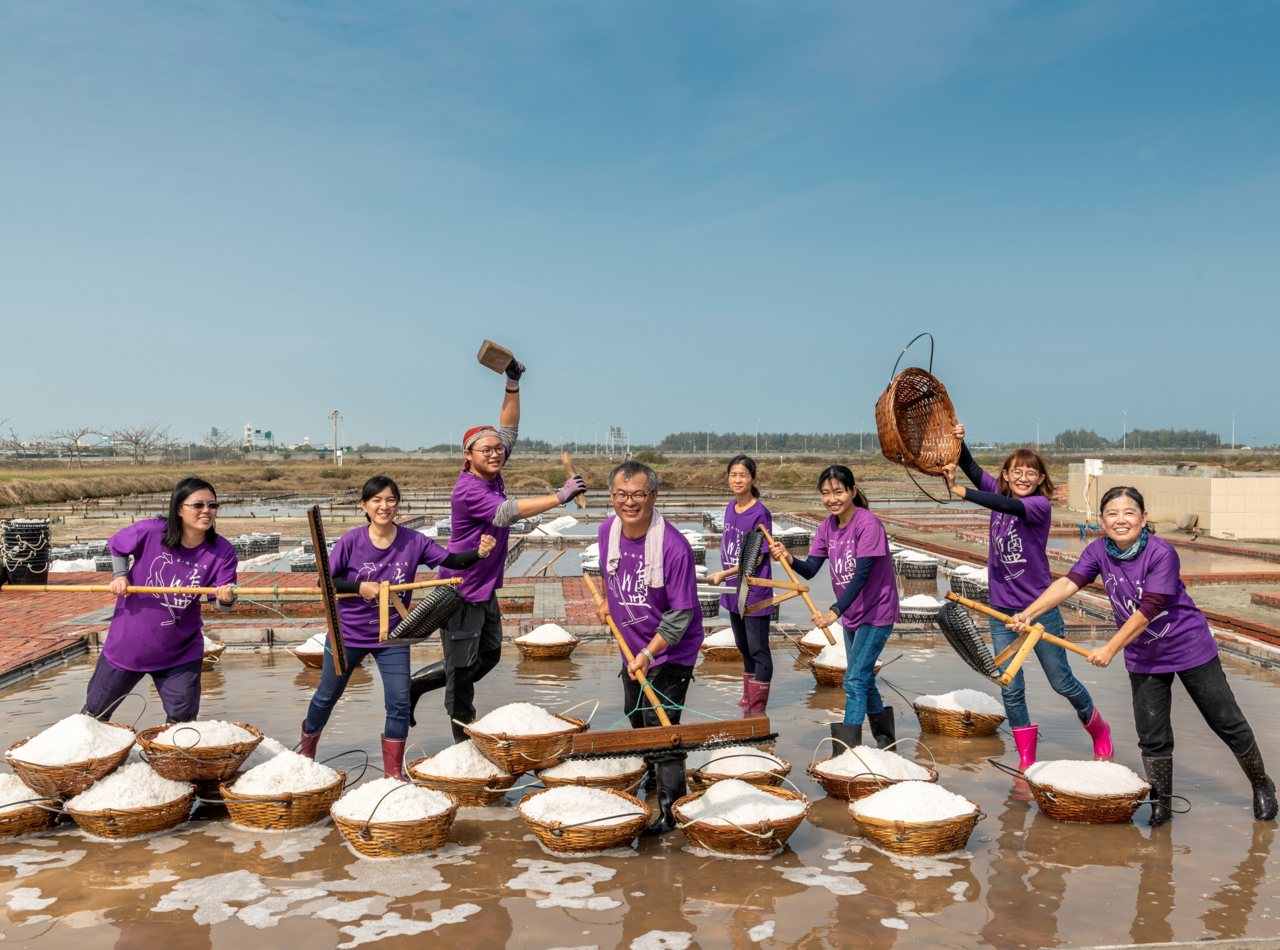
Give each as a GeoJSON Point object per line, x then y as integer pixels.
{"type": "Point", "coordinates": [861, 649]}
{"type": "Point", "coordinates": [178, 686]}
{"type": "Point", "coordinates": [1208, 688]}
{"type": "Point", "coordinates": [393, 667]}
{"type": "Point", "coordinates": [751, 634]}
{"type": "Point", "coordinates": [1053, 660]}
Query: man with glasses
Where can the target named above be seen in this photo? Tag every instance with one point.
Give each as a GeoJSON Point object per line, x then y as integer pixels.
{"type": "Point", "coordinates": [472, 637]}
{"type": "Point", "coordinates": [651, 592]}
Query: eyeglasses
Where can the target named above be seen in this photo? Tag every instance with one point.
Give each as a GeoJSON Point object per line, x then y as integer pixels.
{"type": "Point", "coordinates": [621, 496]}
{"type": "Point", "coordinates": [488, 451]}
{"type": "Point", "coordinates": [202, 505]}
{"type": "Point", "coordinates": [383, 502]}
{"type": "Point", "coordinates": [1021, 473]}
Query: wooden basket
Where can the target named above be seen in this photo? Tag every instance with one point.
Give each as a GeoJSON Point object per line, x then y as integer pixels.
{"type": "Point", "coordinates": [960, 724]}
{"type": "Point", "coordinates": [918, 837]}
{"type": "Point", "coordinates": [519, 754]}
{"type": "Point", "coordinates": [284, 810]}
{"type": "Point", "coordinates": [200, 764]}
{"type": "Point", "coordinates": [212, 656]}
{"type": "Point", "coordinates": [702, 779]}
{"type": "Point", "coordinates": [132, 822]}
{"type": "Point", "coordinates": [622, 782]}
{"type": "Point", "coordinates": [66, 781]}
{"type": "Point", "coordinates": [468, 790]}
{"type": "Point", "coordinates": [397, 839]}
{"type": "Point", "coordinates": [563, 839]}
{"type": "Point", "coordinates": [761, 838]}
{"type": "Point", "coordinates": [547, 651]}
{"type": "Point", "coordinates": [313, 660]}
{"type": "Point", "coordinates": [1089, 809]}
{"type": "Point", "coordinates": [27, 820]}
{"type": "Point", "coordinates": [720, 654]}
{"type": "Point", "coordinates": [914, 420]}
{"type": "Point", "coordinates": [828, 675]}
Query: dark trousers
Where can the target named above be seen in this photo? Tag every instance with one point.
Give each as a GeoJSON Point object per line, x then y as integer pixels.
{"type": "Point", "coordinates": [751, 634]}
{"type": "Point", "coordinates": [1208, 688]}
{"type": "Point", "coordinates": [671, 683]}
{"type": "Point", "coordinates": [472, 640]}
{"type": "Point", "coordinates": [178, 686]}
{"type": "Point", "coordinates": [393, 667]}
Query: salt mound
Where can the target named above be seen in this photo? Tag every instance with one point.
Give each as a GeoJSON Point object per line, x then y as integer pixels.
{"type": "Point", "coordinates": [912, 801]}
{"type": "Point", "coordinates": [868, 761]}
{"type": "Point", "coordinates": [833, 655]}
{"type": "Point", "coordinates": [594, 768]}
{"type": "Point", "coordinates": [285, 771]}
{"type": "Point", "coordinates": [211, 644]}
{"type": "Point", "coordinates": [267, 749]}
{"type": "Point", "coordinates": [817, 638]}
{"type": "Point", "coordinates": [389, 799]}
{"type": "Point", "coordinates": [921, 602]}
{"type": "Point", "coordinates": [313, 644]}
{"type": "Point", "coordinates": [204, 734]}
{"type": "Point", "coordinates": [462, 760]}
{"type": "Point", "coordinates": [734, 760]}
{"type": "Point", "coordinates": [979, 576]}
{"type": "Point", "coordinates": [732, 802]}
{"type": "Point", "coordinates": [520, 719]}
{"type": "Point", "coordinates": [964, 570]}
{"type": "Point", "coordinates": [964, 700]}
{"type": "Point", "coordinates": [15, 794]}
{"type": "Point", "coordinates": [77, 738]}
{"type": "Point", "coordinates": [574, 805]}
{"type": "Point", "coordinates": [720, 638]}
{"type": "Point", "coordinates": [134, 786]}
{"type": "Point", "coordinates": [547, 633]}
{"type": "Point", "coordinates": [1087, 778]}
{"type": "Point", "coordinates": [917, 557]}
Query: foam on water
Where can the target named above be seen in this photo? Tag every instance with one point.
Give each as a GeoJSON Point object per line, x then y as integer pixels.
{"type": "Point", "coordinates": [762, 932]}
{"type": "Point", "coordinates": [894, 923]}
{"type": "Point", "coordinates": [839, 884]}
{"type": "Point", "coordinates": [662, 940]}
{"type": "Point", "coordinates": [26, 863]}
{"type": "Point", "coordinates": [28, 898]}
{"type": "Point", "coordinates": [570, 885]}
{"type": "Point", "coordinates": [393, 925]}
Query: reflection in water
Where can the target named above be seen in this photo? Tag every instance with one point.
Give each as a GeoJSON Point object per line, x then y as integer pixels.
{"type": "Point", "coordinates": [1155, 892]}
{"type": "Point", "coordinates": [1236, 901]}
{"type": "Point", "coordinates": [1024, 899]}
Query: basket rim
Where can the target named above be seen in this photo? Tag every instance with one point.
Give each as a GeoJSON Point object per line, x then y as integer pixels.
{"type": "Point", "coordinates": [578, 725]}
{"type": "Point", "coordinates": [132, 810]}
{"type": "Point", "coordinates": [1127, 797]}
{"type": "Point", "coordinates": [501, 777]}
{"type": "Point", "coordinates": [917, 706]}
{"type": "Point", "coordinates": [225, 789]}
{"type": "Point", "coordinates": [976, 814]}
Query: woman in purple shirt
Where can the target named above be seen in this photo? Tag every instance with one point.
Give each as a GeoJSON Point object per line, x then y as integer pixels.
{"type": "Point", "coordinates": [1018, 570]}
{"type": "Point", "coordinates": [1162, 633]}
{"type": "Point", "coordinates": [751, 632]}
{"type": "Point", "coordinates": [866, 598]}
{"type": "Point", "coordinates": [360, 561]}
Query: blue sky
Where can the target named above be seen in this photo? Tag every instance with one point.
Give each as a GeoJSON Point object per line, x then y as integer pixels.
{"type": "Point", "coordinates": [681, 216]}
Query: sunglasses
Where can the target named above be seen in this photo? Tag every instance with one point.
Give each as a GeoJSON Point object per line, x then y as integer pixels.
{"type": "Point", "coordinates": [202, 505]}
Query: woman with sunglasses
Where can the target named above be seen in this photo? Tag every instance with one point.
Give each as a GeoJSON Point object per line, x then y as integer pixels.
{"type": "Point", "coordinates": [160, 634]}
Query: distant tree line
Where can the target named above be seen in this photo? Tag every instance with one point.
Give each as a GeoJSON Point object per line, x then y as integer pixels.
{"type": "Point", "coordinates": [719, 443]}
{"type": "Point", "coordinates": [1139, 439]}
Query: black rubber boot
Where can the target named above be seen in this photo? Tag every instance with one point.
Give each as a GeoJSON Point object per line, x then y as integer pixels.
{"type": "Point", "coordinates": [671, 786]}
{"type": "Point", "coordinates": [1264, 790]}
{"type": "Point", "coordinates": [1160, 774]}
{"type": "Point", "coordinates": [459, 732]}
{"type": "Point", "coordinates": [649, 784]}
{"type": "Point", "coordinates": [882, 727]}
{"type": "Point", "coordinates": [425, 680]}
{"type": "Point", "coordinates": [849, 735]}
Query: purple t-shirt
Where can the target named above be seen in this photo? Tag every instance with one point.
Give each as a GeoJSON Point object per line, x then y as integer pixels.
{"type": "Point", "coordinates": [473, 505]}
{"type": "Point", "coordinates": [356, 558]}
{"type": "Point", "coordinates": [158, 631]}
{"type": "Point", "coordinates": [877, 602]}
{"type": "Point", "coordinates": [1178, 638]}
{"type": "Point", "coordinates": [636, 608]}
{"type": "Point", "coordinates": [1017, 565]}
{"type": "Point", "coordinates": [735, 527]}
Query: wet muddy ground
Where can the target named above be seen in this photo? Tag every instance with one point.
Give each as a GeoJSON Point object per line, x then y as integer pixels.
{"type": "Point", "coordinates": [1023, 880]}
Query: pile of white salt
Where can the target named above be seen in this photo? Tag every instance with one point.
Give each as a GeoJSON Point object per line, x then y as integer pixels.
{"type": "Point", "coordinates": [286, 771]}
{"type": "Point", "coordinates": [77, 738]}
{"type": "Point", "coordinates": [921, 602]}
{"type": "Point", "coordinates": [723, 637]}
{"type": "Point", "coordinates": [817, 638]}
{"type": "Point", "coordinates": [462, 760]}
{"type": "Point", "coordinates": [315, 643]}
{"type": "Point", "coordinates": [388, 799]}
{"type": "Point", "coordinates": [733, 760]}
{"type": "Point", "coordinates": [869, 761]}
{"type": "Point", "coordinates": [133, 786]}
{"type": "Point", "coordinates": [520, 719]}
{"type": "Point", "coordinates": [204, 734]}
{"type": "Point", "coordinates": [1101, 779]}
{"type": "Point", "coordinates": [594, 768]}
{"type": "Point", "coordinates": [15, 794]}
{"type": "Point", "coordinates": [912, 802]}
{"type": "Point", "coordinates": [576, 805]}
{"type": "Point", "coordinates": [833, 655]}
{"type": "Point", "coordinates": [733, 802]}
{"type": "Point", "coordinates": [548, 633]}
{"type": "Point", "coordinates": [964, 700]}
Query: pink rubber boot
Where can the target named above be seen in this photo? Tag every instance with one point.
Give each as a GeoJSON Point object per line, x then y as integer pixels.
{"type": "Point", "coordinates": [746, 678]}
{"type": "Point", "coordinates": [1024, 737]}
{"type": "Point", "coordinates": [1101, 732]}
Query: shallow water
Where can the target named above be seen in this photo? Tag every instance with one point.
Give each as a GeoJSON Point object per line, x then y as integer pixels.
{"type": "Point", "coordinates": [1193, 561]}
{"type": "Point", "coordinates": [1211, 873]}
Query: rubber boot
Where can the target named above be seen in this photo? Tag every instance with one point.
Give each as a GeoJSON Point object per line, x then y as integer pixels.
{"type": "Point", "coordinates": [309, 742]}
{"type": "Point", "coordinates": [671, 786]}
{"type": "Point", "coordinates": [1101, 732]}
{"type": "Point", "coordinates": [459, 732]}
{"type": "Point", "coordinates": [1159, 771]}
{"type": "Point", "coordinates": [1264, 790]}
{"type": "Point", "coordinates": [1024, 737]}
{"type": "Point", "coordinates": [882, 728]}
{"type": "Point", "coordinates": [649, 784]}
{"type": "Point", "coordinates": [393, 758]}
{"type": "Point", "coordinates": [744, 701]}
{"type": "Point", "coordinates": [850, 735]}
{"type": "Point", "coordinates": [424, 680]}
{"type": "Point", "coordinates": [759, 696]}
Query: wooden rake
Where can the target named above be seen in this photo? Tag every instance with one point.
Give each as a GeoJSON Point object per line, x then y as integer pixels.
{"type": "Point", "coordinates": [793, 588]}
{"type": "Point", "coordinates": [963, 635]}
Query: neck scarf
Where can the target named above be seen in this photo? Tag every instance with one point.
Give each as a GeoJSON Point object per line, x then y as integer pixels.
{"type": "Point", "coordinates": [652, 550]}
{"type": "Point", "coordinates": [1113, 550]}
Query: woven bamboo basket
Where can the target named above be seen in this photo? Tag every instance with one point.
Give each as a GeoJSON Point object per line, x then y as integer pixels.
{"type": "Point", "coordinates": [64, 781]}
{"type": "Point", "coordinates": [849, 788]}
{"type": "Point", "coordinates": [720, 654]}
{"type": "Point", "coordinates": [918, 837]}
{"type": "Point", "coordinates": [702, 779]}
{"type": "Point", "coordinates": [710, 606]}
{"type": "Point", "coordinates": [564, 839]}
{"type": "Point", "coordinates": [284, 810]}
{"type": "Point", "coordinates": [914, 420]}
{"type": "Point", "coordinates": [809, 649]}
{"type": "Point", "coordinates": [920, 570]}
{"type": "Point", "coordinates": [27, 819]}
{"type": "Point", "coordinates": [547, 651]}
{"type": "Point", "coordinates": [622, 782]}
{"type": "Point", "coordinates": [200, 764]}
{"type": "Point", "coordinates": [519, 754]}
{"type": "Point", "coordinates": [797, 542]}
{"type": "Point", "coordinates": [397, 839]}
{"type": "Point", "coordinates": [918, 615]}
{"type": "Point", "coordinates": [1089, 809]}
{"type": "Point", "coordinates": [213, 655]}
{"type": "Point", "coordinates": [468, 790]}
{"type": "Point", "coordinates": [761, 838]}
{"type": "Point", "coordinates": [313, 660]}
{"type": "Point", "coordinates": [827, 675]}
{"type": "Point", "coordinates": [962, 585]}
{"type": "Point", "coordinates": [132, 822]}
{"type": "Point", "coordinates": [960, 724]}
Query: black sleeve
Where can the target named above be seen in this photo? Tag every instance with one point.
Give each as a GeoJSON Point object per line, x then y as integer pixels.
{"type": "Point", "coordinates": [343, 586]}
{"type": "Point", "coordinates": [970, 465]}
{"type": "Point", "coordinates": [457, 560]}
{"type": "Point", "coordinates": [808, 567]}
{"type": "Point", "coordinates": [989, 499]}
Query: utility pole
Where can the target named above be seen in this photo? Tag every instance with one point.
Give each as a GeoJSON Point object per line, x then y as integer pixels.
{"type": "Point", "coordinates": [334, 417]}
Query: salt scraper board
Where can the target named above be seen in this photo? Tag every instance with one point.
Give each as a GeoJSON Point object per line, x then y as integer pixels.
{"type": "Point", "coordinates": [328, 596]}
{"type": "Point", "coordinates": [496, 357]}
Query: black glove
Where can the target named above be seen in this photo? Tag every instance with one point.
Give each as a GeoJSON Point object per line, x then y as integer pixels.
{"type": "Point", "coordinates": [515, 369]}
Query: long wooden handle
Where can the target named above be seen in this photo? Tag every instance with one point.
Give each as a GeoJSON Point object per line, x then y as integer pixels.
{"type": "Point", "coordinates": [626, 651]}
{"type": "Point", "coordinates": [795, 580]}
{"type": "Point", "coordinates": [207, 591]}
{"type": "Point", "coordinates": [1005, 618]}
{"type": "Point", "coordinates": [569, 473]}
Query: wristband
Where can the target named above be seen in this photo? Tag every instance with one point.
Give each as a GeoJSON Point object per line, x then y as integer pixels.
{"type": "Point", "coordinates": [649, 653]}
{"type": "Point", "coordinates": [512, 386]}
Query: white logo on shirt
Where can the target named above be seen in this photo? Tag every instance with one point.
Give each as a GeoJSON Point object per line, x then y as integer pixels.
{"type": "Point", "coordinates": [161, 573]}
{"type": "Point", "coordinates": [1125, 606]}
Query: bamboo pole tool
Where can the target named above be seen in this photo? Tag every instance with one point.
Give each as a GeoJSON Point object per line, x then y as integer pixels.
{"type": "Point", "coordinates": [963, 635]}
{"type": "Point", "coordinates": [567, 462]}
{"type": "Point", "coordinates": [303, 592]}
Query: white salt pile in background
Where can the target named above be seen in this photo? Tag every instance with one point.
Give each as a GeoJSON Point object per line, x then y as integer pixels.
{"type": "Point", "coordinates": [547, 633]}
{"type": "Point", "coordinates": [917, 557]}
{"type": "Point", "coordinates": [14, 793]}
{"type": "Point", "coordinates": [203, 734]}
{"type": "Point", "coordinates": [921, 602]}
{"type": "Point", "coordinates": [1103, 779]}
{"type": "Point", "coordinates": [733, 760]}
{"type": "Point", "coordinates": [573, 805]}
{"type": "Point", "coordinates": [723, 637]}
{"type": "Point", "coordinates": [964, 700]}
{"type": "Point", "coordinates": [313, 644]}
{"type": "Point", "coordinates": [133, 786]}
{"type": "Point", "coordinates": [833, 655]}
{"type": "Point", "coordinates": [77, 738]}
{"type": "Point", "coordinates": [462, 760]}
{"type": "Point", "coordinates": [594, 768]}
{"type": "Point", "coordinates": [869, 761]}
{"type": "Point", "coordinates": [733, 802]}
{"type": "Point", "coordinates": [520, 719]}
{"type": "Point", "coordinates": [285, 772]}
{"type": "Point", "coordinates": [267, 749]}
{"type": "Point", "coordinates": [211, 644]}
{"type": "Point", "coordinates": [388, 799]}
{"type": "Point", "coordinates": [816, 637]}
{"type": "Point", "coordinates": [963, 570]}
{"type": "Point", "coordinates": [913, 802]}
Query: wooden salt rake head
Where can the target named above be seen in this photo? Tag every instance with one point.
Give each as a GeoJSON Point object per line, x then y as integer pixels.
{"type": "Point", "coordinates": [963, 635]}
{"type": "Point", "coordinates": [750, 553]}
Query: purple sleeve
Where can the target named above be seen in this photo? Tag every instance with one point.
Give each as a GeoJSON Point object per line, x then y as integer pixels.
{"type": "Point", "coordinates": [1163, 571]}
{"type": "Point", "coordinates": [680, 578]}
{"type": "Point", "coordinates": [1086, 569]}
{"type": "Point", "coordinates": [479, 504]}
{"type": "Point", "coordinates": [818, 547]}
{"type": "Point", "coordinates": [340, 556]}
{"type": "Point", "coordinates": [1152, 603]}
{"type": "Point", "coordinates": [1039, 509]}
{"type": "Point", "coordinates": [128, 541]}
{"type": "Point", "coordinates": [432, 553]}
{"type": "Point", "coordinates": [989, 484]}
{"type": "Point", "coordinates": [869, 538]}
